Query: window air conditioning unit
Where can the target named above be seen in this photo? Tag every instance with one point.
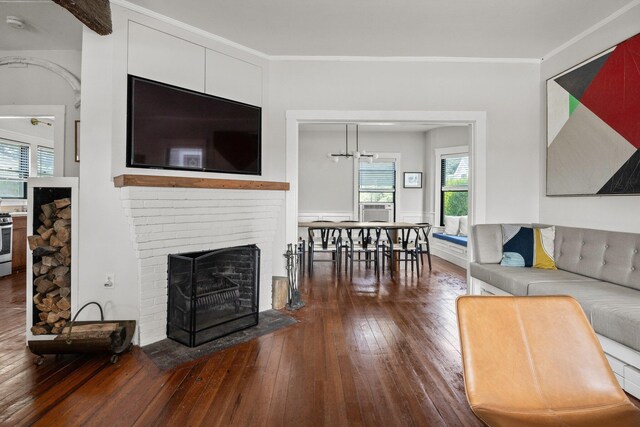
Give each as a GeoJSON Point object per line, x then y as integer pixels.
{"type": "Point", "coordinates": [376, 212]}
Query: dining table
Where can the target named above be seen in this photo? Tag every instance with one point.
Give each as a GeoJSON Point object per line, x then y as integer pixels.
{"type": "Point", "coordinates": [391, 228]}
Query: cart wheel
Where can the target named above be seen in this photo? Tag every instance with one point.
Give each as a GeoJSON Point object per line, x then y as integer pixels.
{"type": "Point", "coordinates": [38, 360]}
{"type": "Point", "coordinates": [114, 359]}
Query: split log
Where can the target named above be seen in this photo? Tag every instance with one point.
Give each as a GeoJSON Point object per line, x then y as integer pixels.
{"type": "Point", "coordinates": [61, 223]}
{"type": "Point", "coordinates": [50, 302]}
{"type": "Point", "coordinates": [61, 270]}
{"type": "Point", "coordinates": [64, 213]}
{"type": "Point", "coordinates": [66, 250]}
{"type": "Point", "coordinates": [63, 281]}
{"type": "Point", "coordinates": [60, 323]}
{"type": "Point", "coordinates": [91, 331]}
{"type": "Point", "coordinates": [55, 241]}
{"type": "Point", "coordinates": [64, 304]}
{"type": "Point", "coordinates": [44, 250]}
{"type": "Point", "coordinates": [65, 314]}
{"type": "Point", "coordinates": [52, 318]}
{"type": "Point", "coordinates": [62, 203]}
{"type": "Point", "coordinates": [47, 234]}
{"type": "Point", "coordinates": [67, 261]}
{"type": "Point", "coordinates": [56, 331]}
{"type": "Point", "coordinates": [35, 242]}
{"type": "Point", "coordinates": [42, 307]}
{"type": "Point", "coordinates": [64, 235]}
{"type": "Point", "coordinates": [43, 285]}
{"type": "Point", "coordinates": [53, 293]}
{"type": "Point", "coordinates": [41, 229]}
{"type": "Point", "coordinates": [39, 330]}
{"type": "Point", "coordinates": [65, 292]}
{"type": "Point", "coordinates": [50, 261]}
{"type": "Point", "coordinates": [37, 299]}
{"type": "Point", "coordinates": [36, 268]}
{"type": "Point", "coordinates": [43, 316]}
{"type": "Point", "coordinates": [60, 258]}
{"type": "Point", "coordinates": [48, 210]}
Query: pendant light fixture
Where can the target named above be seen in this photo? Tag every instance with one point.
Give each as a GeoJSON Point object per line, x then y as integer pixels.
{"type": "Point", "coordinates": [335, 157]}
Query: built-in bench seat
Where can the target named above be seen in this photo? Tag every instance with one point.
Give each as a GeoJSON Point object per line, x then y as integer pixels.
{"type": "Point", "coordinates": [458, 240]}
{"type": "Point", "coordinates": [597, 268]}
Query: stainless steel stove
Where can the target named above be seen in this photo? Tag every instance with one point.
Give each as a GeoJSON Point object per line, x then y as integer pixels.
{"type": "Point", "coordinates": [6, 236]}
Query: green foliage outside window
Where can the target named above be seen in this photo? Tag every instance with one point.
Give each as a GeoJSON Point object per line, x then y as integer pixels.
{"type": "Point", "coordinates": [456, 203]}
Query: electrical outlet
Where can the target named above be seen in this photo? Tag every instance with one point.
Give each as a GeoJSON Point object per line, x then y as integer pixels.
{"type": "Point", "coordinates": [110, 281]}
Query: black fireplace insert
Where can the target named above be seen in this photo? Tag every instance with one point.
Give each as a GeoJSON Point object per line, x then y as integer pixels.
{"type": "Point", "coordinates": [212, 293]}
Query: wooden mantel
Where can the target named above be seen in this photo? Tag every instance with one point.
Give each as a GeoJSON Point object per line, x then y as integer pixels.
{"type": "Point", "coordinates": [183, 182]}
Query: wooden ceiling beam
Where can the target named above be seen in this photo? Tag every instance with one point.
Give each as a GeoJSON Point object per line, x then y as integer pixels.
{"type": "Point", "coordinates": [95, 14]}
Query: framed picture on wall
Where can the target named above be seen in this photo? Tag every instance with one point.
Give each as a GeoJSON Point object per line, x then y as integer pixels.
{"type": "Point", "coordinates": [413, 180]}
{"type": "Point", "coordinates": [593, 131]}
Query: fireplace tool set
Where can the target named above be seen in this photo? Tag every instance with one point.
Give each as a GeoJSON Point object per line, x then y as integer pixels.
{"type": "Point", "coordinates": [292, 256]}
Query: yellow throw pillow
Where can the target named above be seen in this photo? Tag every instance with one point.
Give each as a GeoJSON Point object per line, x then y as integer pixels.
{"type": "Point", "coordinates": [543, 243]}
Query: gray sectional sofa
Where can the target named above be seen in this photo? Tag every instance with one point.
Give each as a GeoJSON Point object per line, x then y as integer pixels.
{"type": "Point", "coordinates": [600, 269]}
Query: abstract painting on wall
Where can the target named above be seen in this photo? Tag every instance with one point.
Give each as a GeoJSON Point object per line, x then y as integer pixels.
{"type": "Point", "coordinates": [593, 125]}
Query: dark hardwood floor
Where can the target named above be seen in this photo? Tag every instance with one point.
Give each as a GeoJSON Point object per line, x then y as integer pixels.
{"type": "Point", "coordinates": [364, 353]}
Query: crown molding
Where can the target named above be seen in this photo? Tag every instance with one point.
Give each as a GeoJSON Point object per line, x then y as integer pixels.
{"type": "Point", "coordinates": [468, 59]}
{"type": "Point", "coordinates": [591, 29]}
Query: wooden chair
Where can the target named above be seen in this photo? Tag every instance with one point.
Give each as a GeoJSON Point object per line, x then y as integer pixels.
{"type": "Point", "coordinates": [405, 249]}
{"type": "Point", "coordinates": [324, 240]}
{"type": "Point", "coordinates": [535, 361]}
{"type": "Point", "coordinates": [362, 242]}
{"type": "Point", "coordinates": [423, 241]}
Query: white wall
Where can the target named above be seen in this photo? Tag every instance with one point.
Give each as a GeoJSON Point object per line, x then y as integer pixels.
{"type": "Point", "coordinates": [325, 186]}
{"type": "Point", "coordinates": [618, 213]}
{"type": "Point", "coordinates": [449, 136]}
{"type": "Point", "coordinates": [37, 86]}
{"type": "Point", "coordinates": [109, 238]}
{"type": "Point", "coordinates": [509, 93]}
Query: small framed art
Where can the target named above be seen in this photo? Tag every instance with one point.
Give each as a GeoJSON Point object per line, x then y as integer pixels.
{"type": "Point", "coordinates": [413, 180]}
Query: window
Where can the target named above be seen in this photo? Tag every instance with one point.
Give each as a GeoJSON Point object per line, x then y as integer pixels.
{"type": "Point", "coordinates": [377, 181]}
{"type": "Point", "coordinates": [454, 181]}
{"type": "Point", "coordinates": [45, 161]}
{"type": "Point", "coordinates": [14, 169]}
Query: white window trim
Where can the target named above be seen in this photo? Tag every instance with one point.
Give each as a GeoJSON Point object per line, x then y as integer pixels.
{"type": "Point", "coordinates": [438, 154]}
{"type": "Point", "coordinates": [397, 157]}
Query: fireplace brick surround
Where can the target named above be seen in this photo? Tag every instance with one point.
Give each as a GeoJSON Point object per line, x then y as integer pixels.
{"type": "Point", "coordinates": [164, 221]}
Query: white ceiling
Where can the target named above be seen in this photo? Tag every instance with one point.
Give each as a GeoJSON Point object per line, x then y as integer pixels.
{"type": "Point", "coordinates": [47, 26]}
{"type": "Point", "coordinates": [419, 28]}
{"type": "Point", "coordinates": [451, 28]}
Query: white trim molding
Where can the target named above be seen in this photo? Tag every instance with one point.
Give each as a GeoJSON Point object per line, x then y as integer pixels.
{"type": "Point", "coordinates": [477, 150]}
{"type": "Point", "coordinates": [69, 77]}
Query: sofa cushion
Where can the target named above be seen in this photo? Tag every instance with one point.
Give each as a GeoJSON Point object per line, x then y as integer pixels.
{"type": "Point", "coordinates": [487, 243]}
{"type": "Point", "coordinates": [613, 310]}
{"type": "Point", "coordinates": [606, 255]}
{"type": "Point", "coordinates": [516, 281]}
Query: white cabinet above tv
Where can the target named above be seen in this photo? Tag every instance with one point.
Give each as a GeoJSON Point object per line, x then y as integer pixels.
{"type": "Point", "coordinates": [159, 56]}
{"type": "Point", "coordinates": [232, 78]}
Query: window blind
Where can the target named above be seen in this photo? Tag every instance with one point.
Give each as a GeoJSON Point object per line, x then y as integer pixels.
{"type": "Point", "coordinates": [45, 161]}
{"type": "Point", "coordinates": [377, 176]}
{"type": "Point", "coordinates": [455, 173]}
{"type": "Point", "coordinates": [14, 161]}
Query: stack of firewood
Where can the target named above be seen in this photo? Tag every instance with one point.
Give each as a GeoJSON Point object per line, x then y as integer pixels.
{"type": "Point", "coordinates": [51, 267]}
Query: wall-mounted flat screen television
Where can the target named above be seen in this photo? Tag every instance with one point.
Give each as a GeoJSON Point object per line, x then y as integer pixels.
{"type": "Point", "coordinates": [173, 128]}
